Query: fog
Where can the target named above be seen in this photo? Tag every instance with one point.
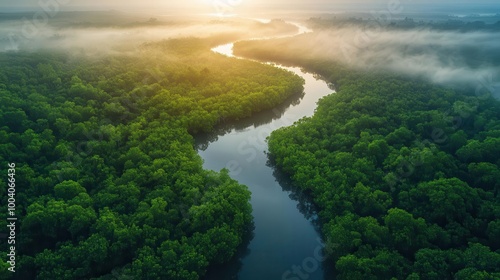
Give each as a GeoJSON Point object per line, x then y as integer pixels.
{"type": "Point", "coordinates": [445, 57]}
{"type": "Point", "coordinates": [102, 33]}
{"type": "Point", "coordinates": [104, 39]}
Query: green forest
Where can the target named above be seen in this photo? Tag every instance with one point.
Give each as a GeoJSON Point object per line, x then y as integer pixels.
{"type": "Point", "coordinates": [406, 174]}
{"type": "Point", "coordinates": [109, 185]}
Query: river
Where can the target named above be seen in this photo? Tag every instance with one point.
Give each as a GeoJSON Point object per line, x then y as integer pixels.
{"type": "Point", "coordinates": [286, 243]}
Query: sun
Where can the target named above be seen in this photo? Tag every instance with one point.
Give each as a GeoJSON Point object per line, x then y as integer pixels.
{"type": "Point", "coordinates": [224, 8]}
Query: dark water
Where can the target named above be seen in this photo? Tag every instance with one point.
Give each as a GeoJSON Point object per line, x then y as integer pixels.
{"type": "Point", "coordinates": [285, 242]}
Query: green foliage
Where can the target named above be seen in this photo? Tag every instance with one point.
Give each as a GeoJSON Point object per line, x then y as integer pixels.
{"type": "Point", "coordinates": [111, 183]}
{"type": "Point", "coordinates": [68, 190]}
{"type": "Point", "coordinates": [398, 168]}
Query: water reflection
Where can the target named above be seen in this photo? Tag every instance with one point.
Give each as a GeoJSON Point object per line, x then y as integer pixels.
{"type": "Point", "coordinates": [309, 210]}
{"type": "Point", "coordinates": [305, 203]}
{"type": "Point", "coordinates": [286, 243]}
{"type": "Point", "coordinates": [286, 222]}
{"type": "Point", "coordinates": [202, 141]}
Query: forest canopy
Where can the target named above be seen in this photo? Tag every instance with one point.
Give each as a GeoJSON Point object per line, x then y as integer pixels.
{"type": "Point", "coordinates": [406, 174]}
{"type": "Point", "coordinates": [109, 183]}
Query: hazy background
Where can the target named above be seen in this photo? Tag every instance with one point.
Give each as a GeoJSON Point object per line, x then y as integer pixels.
{"type": "Point", "coordinates": [442, 56]}
{"type": "Point", "coordinates": [106, 32]}
{"type": "Point", "coordinates": [447, 57]}
{"type": "Point", "coordinates": [246, 6]}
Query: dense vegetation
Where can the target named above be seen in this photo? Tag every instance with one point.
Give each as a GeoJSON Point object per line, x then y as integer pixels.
{"type": "Point", "coordinates": [406, 174]}
{"type": "Point", "coordinates": [108, 182]}
{"type": "Point", "coordinates": [408, 23]}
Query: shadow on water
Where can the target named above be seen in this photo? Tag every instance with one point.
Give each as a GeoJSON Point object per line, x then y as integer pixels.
{"type": "Point", "coordinates": [203, 140]}
{"type": "Point", "coordinates": [304, 244]}
{"type": "Point", "coordinates": [307, 207]}
{"type": "Point", "coordinates": [231, 269]}
{"type": "Point", "coordinates": [305, 204]}
{"type": "Point", "coordinates": [286, 235]}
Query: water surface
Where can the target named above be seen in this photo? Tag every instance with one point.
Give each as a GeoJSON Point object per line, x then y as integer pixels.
{"type": "Point", "coordinates": [285, 243]}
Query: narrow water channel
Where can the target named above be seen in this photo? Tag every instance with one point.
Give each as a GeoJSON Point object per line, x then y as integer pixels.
{"type": "Point", "coordinates": [285, 242]}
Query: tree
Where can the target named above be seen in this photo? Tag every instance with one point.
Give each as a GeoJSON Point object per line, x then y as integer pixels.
{"type": "Point", "coordinates": [442, 201]}
{"type": "Point", "coordinates": [408, 234]}
{"type": "Point", "coordinates": [68, 190]}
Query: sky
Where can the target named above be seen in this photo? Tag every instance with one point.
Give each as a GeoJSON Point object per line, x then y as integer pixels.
{"type": "Point", "coordinates": [240, 6]}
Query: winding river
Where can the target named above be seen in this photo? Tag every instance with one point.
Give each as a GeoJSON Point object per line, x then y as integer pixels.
{"type": "Point", "coordinates": [286, 243]}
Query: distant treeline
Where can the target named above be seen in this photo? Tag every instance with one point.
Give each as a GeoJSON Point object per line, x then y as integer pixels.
{"type": "Point", "coordinates": [408, 23]}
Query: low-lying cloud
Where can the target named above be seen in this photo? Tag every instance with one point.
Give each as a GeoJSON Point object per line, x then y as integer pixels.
{"type": "Point", "coordinates": [86, 34]}
{"type": "Point", "coordinates": [446, 57]}
{"type": "Point", "coordinates": [443, 57]}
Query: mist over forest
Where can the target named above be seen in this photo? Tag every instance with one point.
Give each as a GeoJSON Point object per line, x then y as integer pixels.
{"type": "Point", "coordinates": [442, 51]}
{"type": "Point", "coordinates": [449, 56]}
{"type": "Point", "coordinates": [99, 33]}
